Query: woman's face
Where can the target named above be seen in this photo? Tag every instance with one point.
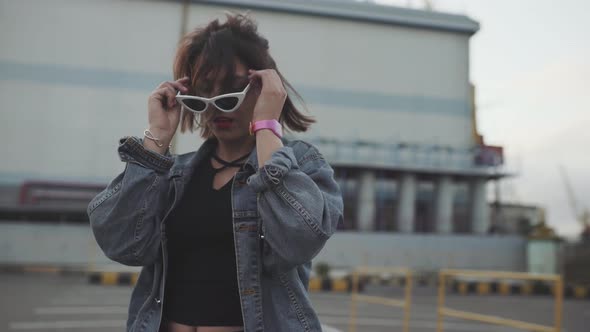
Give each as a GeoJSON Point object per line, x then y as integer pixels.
{"type": "Point", "coordinates": [234, 126]}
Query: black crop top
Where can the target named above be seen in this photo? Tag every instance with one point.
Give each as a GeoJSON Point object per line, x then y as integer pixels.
{"type": "Point", "coordinates": [201, 284]}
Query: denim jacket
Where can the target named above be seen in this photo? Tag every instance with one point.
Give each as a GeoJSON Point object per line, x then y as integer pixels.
{"type": "Point", "coordinates": [283, 214]}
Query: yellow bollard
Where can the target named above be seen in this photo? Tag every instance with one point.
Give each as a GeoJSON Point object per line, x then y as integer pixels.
{"type": "Point", "coordinates": [463, 287]}
{"type": "Point", "coordinates": [315, 284]}
{"type": "Point", "coordinates": [558, 303]}
{"type": "Point", "coordinates": [483, 288]}
{"type": "Point", "coordinates": [580, 292]}
{"type": "Point", "coordinates": [526, 288]}
{"type": "Point", "coordinates": [110, 278]}
{"type": "Point", "coordinates": [134, 278]}
{"type": "Point", "coordinates": [408, 301]}
{"type": "Point", "coordinates": [353, 299]}
{"type": "Point", "coordinates": [505, 288]}
{"type": "Point", "coordinates": [340, 285]}
{"type": "Point", "coordinates": [442, 287]}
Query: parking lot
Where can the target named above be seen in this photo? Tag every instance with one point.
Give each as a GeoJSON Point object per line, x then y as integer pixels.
{"type": "Point", "coordinates": [48, 302]}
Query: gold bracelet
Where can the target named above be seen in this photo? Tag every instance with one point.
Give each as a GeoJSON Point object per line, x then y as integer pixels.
{"type": "Point", "coordinates": [148, 134]}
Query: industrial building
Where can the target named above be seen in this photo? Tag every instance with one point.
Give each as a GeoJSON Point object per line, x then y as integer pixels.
{"type": "Point", "coordinates": [389, 87]}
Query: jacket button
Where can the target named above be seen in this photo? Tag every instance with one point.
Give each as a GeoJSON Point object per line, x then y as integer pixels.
{"type": "Point", "coordinates": [157, 300]}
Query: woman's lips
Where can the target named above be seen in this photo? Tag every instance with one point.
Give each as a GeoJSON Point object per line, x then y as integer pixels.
{"type": "Point", "coordinates": [223, 122]}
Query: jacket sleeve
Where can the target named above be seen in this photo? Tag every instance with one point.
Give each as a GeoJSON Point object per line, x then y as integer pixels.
{"type": "Point", "coordinates": [300, 204]}
{"type": "Point", "coordinates": [125, 217]}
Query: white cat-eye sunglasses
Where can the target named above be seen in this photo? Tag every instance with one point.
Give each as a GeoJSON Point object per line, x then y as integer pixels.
{"type": "Point", "coordinates": [228, 102]}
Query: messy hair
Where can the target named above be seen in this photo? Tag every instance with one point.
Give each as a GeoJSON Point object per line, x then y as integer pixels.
{"type": "Point", "coordinates": [212, 49]}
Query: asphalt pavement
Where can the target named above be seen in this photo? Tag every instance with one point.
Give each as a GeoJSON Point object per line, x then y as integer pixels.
{"type": "Point", "coordinates": [48, 302]}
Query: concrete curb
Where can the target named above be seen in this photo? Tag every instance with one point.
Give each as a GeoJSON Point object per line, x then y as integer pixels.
{"type": "Point", "coordinates": [103, 276]}
{"type": "Point", "coordinates": [38, 268]}
{"type": "Point", "coordinates": [461, 287]}
{"type": "Point", "coordinates": [517, 288]}
{"type": "Point", "coordinates": [113, 278]}
{"type": "Point", "coordinates": [398, 280]}
{"type": "Point", "coordinates": [341, 284]}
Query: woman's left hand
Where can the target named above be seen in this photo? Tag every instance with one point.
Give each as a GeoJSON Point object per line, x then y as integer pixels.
{"type": "Point", "coordinates": [271, 99]}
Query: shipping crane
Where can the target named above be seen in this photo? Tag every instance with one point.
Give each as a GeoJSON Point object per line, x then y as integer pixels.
{"type": "Point", "coordinates": [583, 215]}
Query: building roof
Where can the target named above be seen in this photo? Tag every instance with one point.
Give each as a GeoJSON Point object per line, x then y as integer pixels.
{"type": "Point", "coordinates": [360, 11]}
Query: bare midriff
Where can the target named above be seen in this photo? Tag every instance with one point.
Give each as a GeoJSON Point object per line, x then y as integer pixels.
{"type": "Point", "coordinates": [177, 327]}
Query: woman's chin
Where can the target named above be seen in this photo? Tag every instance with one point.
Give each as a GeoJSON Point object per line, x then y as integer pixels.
{"type": "Point", "coordinates": [230, 135]}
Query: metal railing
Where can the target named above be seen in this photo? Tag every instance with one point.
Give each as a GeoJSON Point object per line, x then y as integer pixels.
{"type": "Point", "coordinates": [356, 297]}
{"type": "Point", "coordinates": [448, 312]}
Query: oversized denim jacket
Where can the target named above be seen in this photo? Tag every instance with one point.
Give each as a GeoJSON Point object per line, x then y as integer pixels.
{"type": "Point", "coordinates": [283, 214]}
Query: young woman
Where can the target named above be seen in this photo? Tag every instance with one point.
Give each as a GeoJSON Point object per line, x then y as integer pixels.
{"type": "Point", "coordinates": [225, 235]}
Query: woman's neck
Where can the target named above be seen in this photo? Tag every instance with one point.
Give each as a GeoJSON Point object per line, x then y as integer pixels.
{"type": "Point", "coordinates": [230, 151]}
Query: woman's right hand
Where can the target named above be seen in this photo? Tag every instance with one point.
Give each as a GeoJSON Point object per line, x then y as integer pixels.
{"type": "Point", "coordinates": [164, 110]}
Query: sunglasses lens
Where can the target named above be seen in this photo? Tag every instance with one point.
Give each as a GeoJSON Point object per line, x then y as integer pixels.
{"type": "Point", "coordinates": [195, 105]}
{"type": "Point", "coordinates": [227, 103]}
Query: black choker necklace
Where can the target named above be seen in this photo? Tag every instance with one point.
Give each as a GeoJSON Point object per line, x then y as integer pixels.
{"type": "Point", "coordinates": [226, 164]}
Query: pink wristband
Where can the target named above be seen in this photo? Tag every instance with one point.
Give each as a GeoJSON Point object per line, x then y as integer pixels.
{"type": "Point", "coordinates": [273, 125]}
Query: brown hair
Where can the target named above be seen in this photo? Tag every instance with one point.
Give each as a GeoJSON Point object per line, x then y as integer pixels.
{"type": "Point", "coordinates": [213, 49]}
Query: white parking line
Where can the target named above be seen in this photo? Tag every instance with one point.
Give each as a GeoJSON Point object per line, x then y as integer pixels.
{"type": "Point", "coordinates": [82, 324]}
{"type": "Point", "coordinates": [89, 301]}
{"type": "Point", "coordinates": [395, 313]}
{"type": "Point", "coordinates": [81, 310]}
{"type": "Point", "coordinates": [326, 328]}
{"type": "Point", "coordinates": [426, 324]}
{"type": "Point", "coordinates": [70, 324]}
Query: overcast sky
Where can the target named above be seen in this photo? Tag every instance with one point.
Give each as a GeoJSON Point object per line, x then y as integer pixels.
{"type": "Point", "coordinates": [530, 63]}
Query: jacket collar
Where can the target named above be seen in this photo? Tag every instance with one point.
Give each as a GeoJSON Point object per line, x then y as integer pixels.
{"type": "Point", "coordinates": [186, 166]}
{"type": "Point", "coordinates": [251, 164]}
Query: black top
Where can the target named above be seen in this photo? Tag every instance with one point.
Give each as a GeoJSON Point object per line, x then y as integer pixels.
{"type": "Point", "coordinates": [201, 284]}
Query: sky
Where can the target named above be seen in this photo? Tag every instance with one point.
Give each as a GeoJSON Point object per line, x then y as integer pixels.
{"type": "Point", "coordinates": [530, 62]}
